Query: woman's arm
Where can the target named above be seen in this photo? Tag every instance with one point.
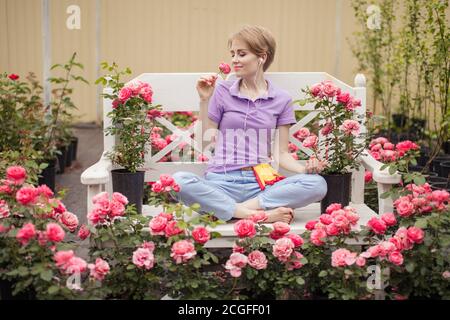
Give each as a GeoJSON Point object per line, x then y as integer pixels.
{"type": "Point", "coordinates": [281, 151]}
{"type": "Point", "coordinates": [206, 122]}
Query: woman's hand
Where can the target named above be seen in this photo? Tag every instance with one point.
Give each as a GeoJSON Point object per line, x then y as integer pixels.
{"type": "Point", "coordinates": [314, 165]}
{"type": "Point", "coordinates": [205, 87]}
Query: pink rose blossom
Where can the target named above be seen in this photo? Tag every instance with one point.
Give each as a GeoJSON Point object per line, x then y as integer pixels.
{"type": "Point", "coordinates": [333, 207]}
{"type": "Point", "coordinates": [350, 127]}
{"type": "Point", "coordinates": [125, 93]}
{"type": "Point", "coordinates": [316, 90]}
{"type": "Point", "coordinates": [396, 258]}
{"type": "Point", "coordinates": [26, 233]}
{"type": "Point", "coordinates": [99, 270]}
{"type": "Point", "coordinates": [326, 219]}
{"type": "Point", "coordinates": [16, 174]}
{"type": "Point", "coordinates": [440, 195]}
{"type": "Point", "coordinates": [182, 251]}
{"type": "Point", "coordinates": [415, 234]}
{"type": "Point", "coordinates": [234, 271]}
{"type": "Point", "coordinates": [26, 195]}
{"type": "Point", "coordinates": [166, 180]}
{"type": "Point", "coordinates": [257, 260]}
{"type": "Point", "coordinates": [281, 227]}
{"type": "Point", "coordinates": [84, 232]}
{"type": "Point", "coordinates": [238, 260]}
{"type": "Point", "coordinates": [157, 187]}
{"type": "Point", "coordinates": [75, 265]}
{"type": "Point", "coordinates": [172, 229]}
{"type": "Point", "coordinates": [283, 248]}
{"type": "Point", "coordinates": [389, 219]}
{"type": "Point", "coordinates": [360, 261]}
{"type": "Point", "coordinates": [342, 258]}
{"type": "Point", "coordinates": [245, 228]}
{"type": "Point", "coordinates": [143, 258]}
{"type": "Point", "coordinates": [224, 68]}
{"type": "Point", "coordinates": [332, 230]}
{"type": "Point", "coordinates": [69, 220]}
{"type": "Point", "coordinates": [368, 176]}
{"type": "Point", "coordinates": [330, 89]}
{"type": "Point", "coordinates": [201, 235]}
{"type": "Point", "coordinates": [296, 239]}
{"type": "Point", "coordinates": [202, 158]}
{"type": "Point", "coordinates": [377, 226]}
{"type": "Point", "coordinates": [327, 129]}
{"type": "Point", "coordinates": [302, 134]}
{"type": "Point", "coordinates": [44, 191]}
{"type": "Point", "coordinates": [310, 225]}
{"type": "Point", "coordinates": [238, 249]}
{"type": "Point", "coordinates": [295, 261]}
{"type": "Point", "coordinates": [117, 209]}
{"type": "Point", "coordinates": [158, 225]}
{"type": "Point", "coordinates": [318, 236]}
{"type": "Point", "coordinates": [150, 245]}
{"type": "Point", "coordinates": [310, 142]}
{"type": "Point", "coordinates": [62, 258]}
{"type": "Point", "coordinates": [101, 197]}
{"type": "Point", "coordinates": [117, 196]}
{"type": "Point", "coordinates": [404, 208]}
{"type": "Point", "coordinates": [54, 232]}
{"type": "Point", "coordinates": [343, 97]}
{"type": "Point", "coordinates": [4, 209]}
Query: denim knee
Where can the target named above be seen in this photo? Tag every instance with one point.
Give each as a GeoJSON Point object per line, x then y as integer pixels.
{"type": "Point", "coordinates": [183, 178]}
{"type": "Point", "coordinates": [319, 186]}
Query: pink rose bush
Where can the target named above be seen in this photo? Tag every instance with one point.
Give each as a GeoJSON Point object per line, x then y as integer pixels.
{"type": "Point", "coordinates": [132, 100]}
{"type": "Point", "coordinates": [34, 224]}
{"type": "Point", "coordinates": [342, 135]}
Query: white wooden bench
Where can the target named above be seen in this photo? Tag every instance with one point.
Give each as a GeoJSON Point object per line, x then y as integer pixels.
{"type": "Point", "coordinates": [177, 92]}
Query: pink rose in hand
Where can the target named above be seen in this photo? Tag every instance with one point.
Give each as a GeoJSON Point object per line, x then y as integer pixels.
{"type": "Point", "coordinates": [224, 68]}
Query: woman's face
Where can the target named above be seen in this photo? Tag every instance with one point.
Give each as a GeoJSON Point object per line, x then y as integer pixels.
{"type": "Point", "coordinates": [243, 61]}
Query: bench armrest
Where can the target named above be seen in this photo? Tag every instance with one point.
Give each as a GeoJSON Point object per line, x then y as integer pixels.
{"type": "Point", "coordinates": [380, 176]}
{"type": "Point", "coordinates": [98, 173]}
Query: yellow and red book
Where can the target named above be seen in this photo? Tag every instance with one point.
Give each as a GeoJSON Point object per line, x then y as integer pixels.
{"type": "Point", "coordinates": [265, 174]}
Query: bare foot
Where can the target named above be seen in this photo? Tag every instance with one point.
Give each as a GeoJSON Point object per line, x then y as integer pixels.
{"type": "Point", "coordinates": [282, 214]}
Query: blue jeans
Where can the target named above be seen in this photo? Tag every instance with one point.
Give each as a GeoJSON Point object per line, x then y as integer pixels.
{"type": "Point", "coordinates": [218, 193]}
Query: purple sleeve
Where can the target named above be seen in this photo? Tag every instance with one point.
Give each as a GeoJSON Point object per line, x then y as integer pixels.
{"type": "Point", "coordinates": [215, 106]}
{"type": "Point", "coordinates": [287, 116]}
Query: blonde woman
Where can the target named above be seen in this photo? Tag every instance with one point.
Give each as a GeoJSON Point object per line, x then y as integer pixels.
{"type": "Point", "coordinates": [252, 108]}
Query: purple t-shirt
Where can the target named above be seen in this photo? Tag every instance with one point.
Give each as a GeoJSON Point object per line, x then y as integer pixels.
{"type": "Point", "coordinates": [235, 147]}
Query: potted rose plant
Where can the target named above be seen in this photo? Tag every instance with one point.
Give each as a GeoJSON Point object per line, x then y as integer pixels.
{"type": "Point", "coordinates": [343, 140]}
{"type": "Point", "coordinates": [132, 120]}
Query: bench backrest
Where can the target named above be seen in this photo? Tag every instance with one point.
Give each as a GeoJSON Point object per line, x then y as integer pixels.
{"type": "Point", "coordinates": [177, 92]}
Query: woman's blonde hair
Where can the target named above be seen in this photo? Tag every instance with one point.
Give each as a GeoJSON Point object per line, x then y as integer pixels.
{"type": "Point", "coordinates": [259, 40]}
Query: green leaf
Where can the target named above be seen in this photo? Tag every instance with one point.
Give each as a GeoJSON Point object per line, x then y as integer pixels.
{"type": "Point", "coordinates": [47, 275]}
{"type": "Point", "coordinates": [421, 223]}
{"type": "Point", "coordinates": [53, 290]}
{"type": "Point", "coordinates": [410, 267]}
{"type": "Point", "coordinates": [300, 281]}
{"type": "Point", "coordinates": [323, 273]}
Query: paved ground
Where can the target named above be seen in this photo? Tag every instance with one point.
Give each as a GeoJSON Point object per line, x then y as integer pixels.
{"type": "Point", "coordinates": [90, 147]}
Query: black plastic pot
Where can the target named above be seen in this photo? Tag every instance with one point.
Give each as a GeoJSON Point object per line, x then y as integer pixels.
{"type": "Point", "coordinates": [440, 186]}
{"type": "Point", "coordinates": [74, 144]}
{"type": "Point", "coordinates": [431, 180]}
{"type": "Point", "coordinates": [339, 190]}
{"type": "Point", "coordinates": [446, 147]}
{"type": "Point", "coordinates": [69, 155]}
{"type": "Point", "coordinates": [435, 163]}
{"type": "Point", "coordinates": [131, 185]}
{"type": "Point", "coordinates": [62, 158]}
{"type": "Point", "coordinates": [445, 169]}
{"type": "Point", "coordinates": [48, 175]}
{"type": "Point", "coordinates": [431, 174]}
{"type": "Point", "coordinates": [399, 120]}
{"type": "Point", "coordinates": [424, 156]}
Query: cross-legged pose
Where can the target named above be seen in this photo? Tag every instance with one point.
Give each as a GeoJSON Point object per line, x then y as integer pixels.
{"type": "Point", "coordinates": [245, 115]}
